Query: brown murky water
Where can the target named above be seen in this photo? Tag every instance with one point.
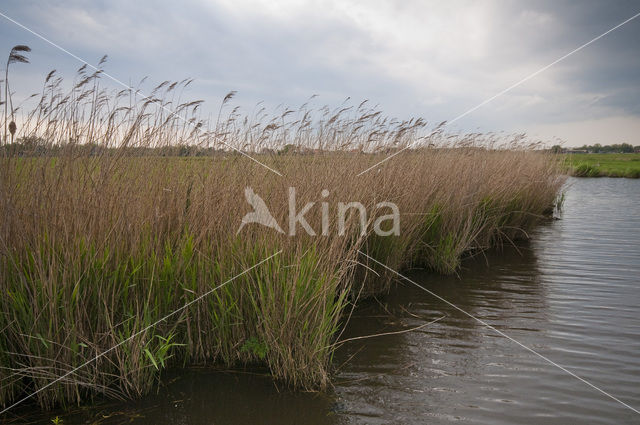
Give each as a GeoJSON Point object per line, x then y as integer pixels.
{"type": "Point", "coordinates": [572, 294]}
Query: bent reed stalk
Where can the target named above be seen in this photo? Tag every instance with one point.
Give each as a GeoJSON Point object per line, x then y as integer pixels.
{"type": "Point", "coordinates": [116, 213]}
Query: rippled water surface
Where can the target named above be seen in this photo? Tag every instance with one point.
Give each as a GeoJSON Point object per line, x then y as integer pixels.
{"type": "Point", "coordinates": [572, 295]}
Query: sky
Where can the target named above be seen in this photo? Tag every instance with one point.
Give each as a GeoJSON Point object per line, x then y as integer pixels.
{"type": "Point", "coordinates": [434, 60]}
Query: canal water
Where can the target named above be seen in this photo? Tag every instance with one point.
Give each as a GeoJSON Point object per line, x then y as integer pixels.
{"type": "Point", "coordinates": [571, 294]}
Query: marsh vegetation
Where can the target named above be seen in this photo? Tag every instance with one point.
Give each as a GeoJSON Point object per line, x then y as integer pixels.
{"type": "Point", "coordinates": [106, 229]}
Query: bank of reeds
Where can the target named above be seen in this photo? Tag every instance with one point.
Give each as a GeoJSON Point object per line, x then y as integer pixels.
{"type": "Point", "coordinates": [105, 230]}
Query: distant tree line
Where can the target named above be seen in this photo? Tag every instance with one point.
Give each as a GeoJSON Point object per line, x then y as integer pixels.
{"type": "Point", "coordinates": [36, 146]}
{"type": "Point", "coordinates": [598, 148]}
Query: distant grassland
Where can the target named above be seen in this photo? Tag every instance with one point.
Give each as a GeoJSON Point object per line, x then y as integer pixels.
{"type": "Point", "coordinates": [604, 165]}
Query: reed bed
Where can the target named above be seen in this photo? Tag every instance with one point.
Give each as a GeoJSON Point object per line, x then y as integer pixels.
{"type": "Point", "coordinates": [117, 210]}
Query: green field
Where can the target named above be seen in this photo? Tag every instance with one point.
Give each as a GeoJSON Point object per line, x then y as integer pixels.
{"type": "Point", "coordinates": [604, 165]}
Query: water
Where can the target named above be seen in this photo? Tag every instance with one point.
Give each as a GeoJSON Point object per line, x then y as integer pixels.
{"type": "Point", "coordinates": [571, 294]}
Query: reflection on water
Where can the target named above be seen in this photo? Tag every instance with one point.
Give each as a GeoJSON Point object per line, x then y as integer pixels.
{"type": "Point", "coordinates": [455, 368]}
{"type": "Point", "coordinates": [571, 294]}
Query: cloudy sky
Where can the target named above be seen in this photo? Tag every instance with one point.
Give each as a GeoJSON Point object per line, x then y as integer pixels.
{"type": "Point", "coordinates": [424, 59]}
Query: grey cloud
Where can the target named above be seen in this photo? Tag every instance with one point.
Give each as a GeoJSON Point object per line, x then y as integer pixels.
{"type": "Point", "coordinates": [412, 59]}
